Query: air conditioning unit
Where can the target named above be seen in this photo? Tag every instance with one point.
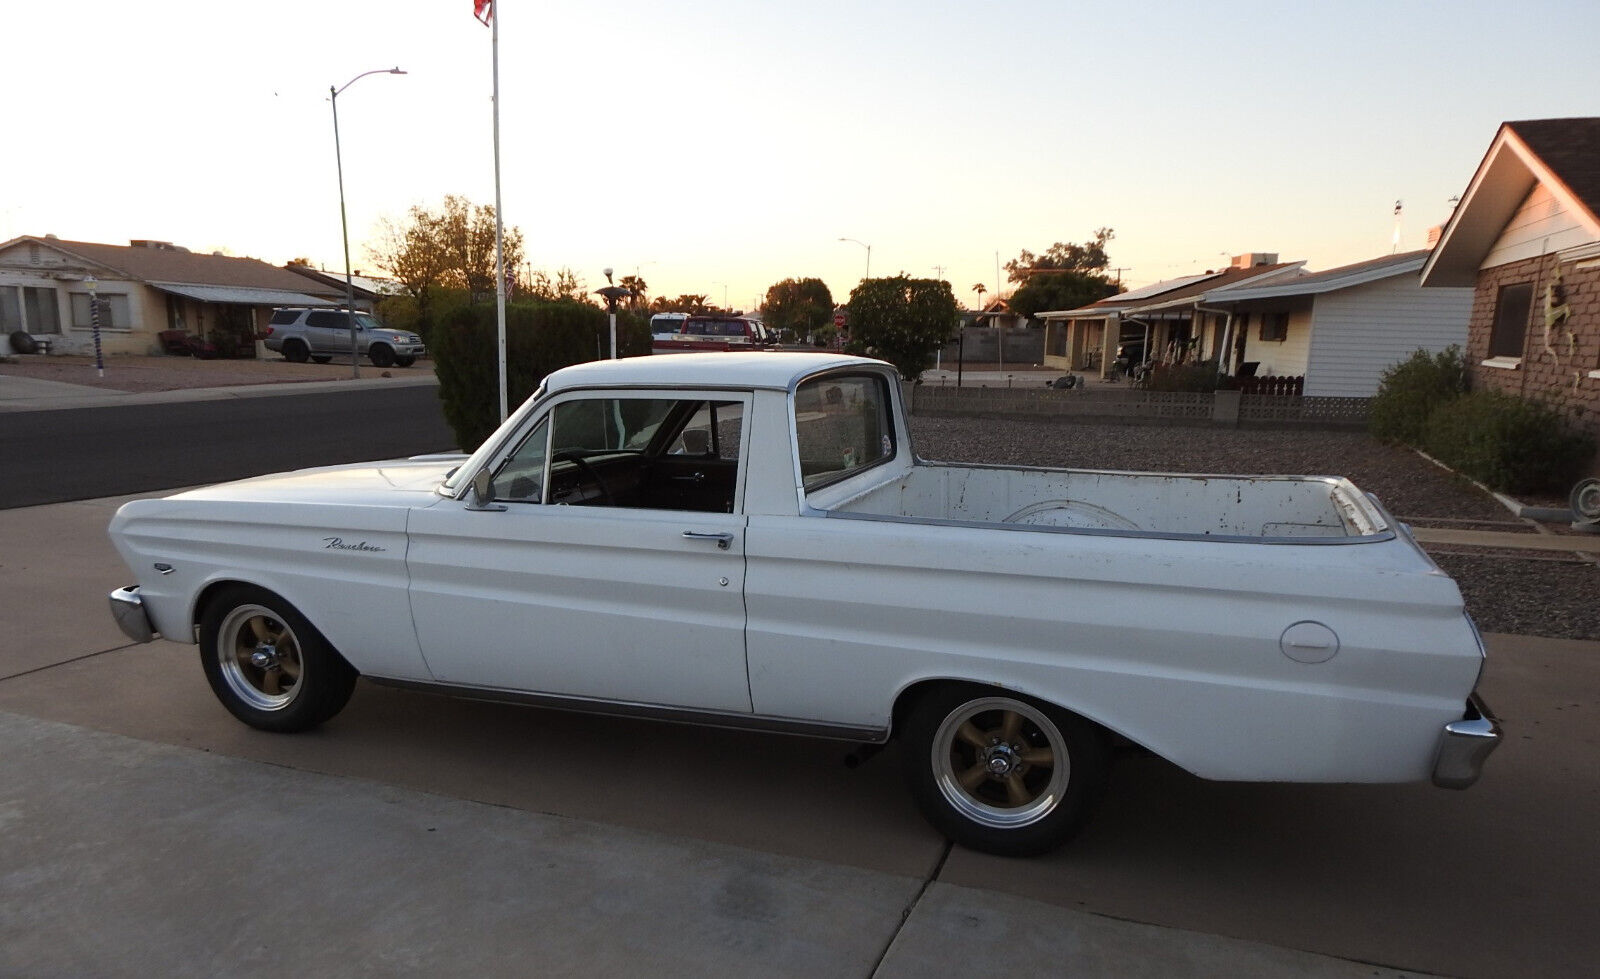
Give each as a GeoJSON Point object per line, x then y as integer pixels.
{"type": "Point", "coordinates": [1585, 501]}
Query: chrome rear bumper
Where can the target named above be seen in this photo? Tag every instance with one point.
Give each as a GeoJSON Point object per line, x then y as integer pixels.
{"type": "Point", "coordinates": [1464, 745]}
{"type": "Point", "coordinates": [128, 609]}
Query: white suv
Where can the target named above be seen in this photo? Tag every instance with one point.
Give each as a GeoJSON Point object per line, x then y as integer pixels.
{"type": "Point", "coordinates": [301, 333]}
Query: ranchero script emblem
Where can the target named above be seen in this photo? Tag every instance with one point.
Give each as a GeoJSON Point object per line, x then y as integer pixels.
{"type": "Point", "coordinates": [338, 544]}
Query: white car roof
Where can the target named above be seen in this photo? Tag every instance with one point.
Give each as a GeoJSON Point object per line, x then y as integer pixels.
{"type": "Point", "coordinates": [719, 369]}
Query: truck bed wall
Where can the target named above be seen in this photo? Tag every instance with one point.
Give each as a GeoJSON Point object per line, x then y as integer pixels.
{"type": "Point", "coordinates": [1236, 506]}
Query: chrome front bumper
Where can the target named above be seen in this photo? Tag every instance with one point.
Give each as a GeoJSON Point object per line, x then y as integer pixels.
{"type": "Point", "coordinates": [1464, 745]}
{"type": "Point", "coordinates": [128, 609]}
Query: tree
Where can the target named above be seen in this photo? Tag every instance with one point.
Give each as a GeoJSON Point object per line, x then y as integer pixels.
{"type": "Point", "coordinates": [1063, 256]}
{"type": "Point", "coordinates": [637, 288]}
{"type": "Point", "coordinates": [980, 289]}
{"type": "Point", "coordinates": [452, 248]}
{"type": "Point", "coordinates": [564, 286]}
{"type": "Point", "coordinates": [686, 303]}
{"type": "Point", "coordinates": [1067, 276]}
{"type": "Point", "coordinates": [902, 320]}
{"type": "Point", "coordinates": [798, 307]}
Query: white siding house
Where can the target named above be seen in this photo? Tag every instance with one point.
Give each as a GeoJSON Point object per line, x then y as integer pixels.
{"type": "Point", "coordinates": [1347, 325]}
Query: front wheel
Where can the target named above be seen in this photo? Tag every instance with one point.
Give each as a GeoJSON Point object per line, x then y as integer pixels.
{"type": "Point", "coordinates": [268, 665]}
{"type": "Point", "coordinates": [1002, 773]}
{"type": "Point", "coordinates": [321, 358]}
{"type": "Point", "coordinates": [405, 360]}
{"type": "Point", "coordinates": [381, 356]}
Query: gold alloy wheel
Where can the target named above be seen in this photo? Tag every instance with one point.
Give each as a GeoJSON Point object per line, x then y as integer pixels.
{"type": "Point", "coordinates": [259, 657]}
{"type": "Point", "coordinates": [1000, 762]}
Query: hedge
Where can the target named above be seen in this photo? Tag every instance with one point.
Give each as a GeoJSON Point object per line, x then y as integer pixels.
{"type": "Point", "coordinates": [540, 338]}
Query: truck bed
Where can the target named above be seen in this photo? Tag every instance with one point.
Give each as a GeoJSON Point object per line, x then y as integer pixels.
{"type": "Point", "coordinates": [1254, 508]}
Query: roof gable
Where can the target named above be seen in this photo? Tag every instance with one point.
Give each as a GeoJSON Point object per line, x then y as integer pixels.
{"type": "Point", "coordinates": [1561, 154]}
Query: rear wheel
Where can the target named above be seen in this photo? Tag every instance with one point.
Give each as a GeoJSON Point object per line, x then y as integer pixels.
{"type": "Point", "coordinates": [1002, 773]}
{"type": "Point", "coordinates": [381, 355]}
{"type": "Point", "coordinates": [268, 665]}
{"type": "Point", "coordinates": [295, 351]}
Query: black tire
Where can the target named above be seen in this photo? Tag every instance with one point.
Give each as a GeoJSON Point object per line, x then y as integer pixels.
{"type": "Point", "coordinates": [249, 638]}
{"type": "Point", "coordinates": [999, 772]}
{"type": "Point", "coordinates": [405, 361]}
{"type": "Point", "coordinates": [22, 342]}
{"type": "Point", "coordinates": [321, 358]}
{"type": "Point", "coordinates": [381, 355]}
{"type": "Point", "coordinates": [295, 351]}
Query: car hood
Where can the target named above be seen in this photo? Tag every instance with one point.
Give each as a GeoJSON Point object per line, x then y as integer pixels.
{"type": "Point", "coordinates": [394, 482]}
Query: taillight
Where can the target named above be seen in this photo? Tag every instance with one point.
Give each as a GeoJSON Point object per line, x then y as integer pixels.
{"type": "Point", "coordinates": [267, 332]}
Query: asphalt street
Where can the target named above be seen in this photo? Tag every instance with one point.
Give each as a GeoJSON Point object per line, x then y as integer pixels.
{"type": "Point", "coordinates": [76, 453]}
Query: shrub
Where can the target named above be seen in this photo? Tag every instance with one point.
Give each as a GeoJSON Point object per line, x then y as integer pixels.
{"type": "Point", "coordinates": [1410, 391]}
{"type": "Point", "coordinates": [540, 338]}
{"type": "Point", "coordinates": [1507, 443]}
{"type": "Point", "coordinates": [1197, 376]}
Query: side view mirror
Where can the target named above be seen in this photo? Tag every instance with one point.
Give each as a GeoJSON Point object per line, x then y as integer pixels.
{"type": "Point", "coordinates": [482, 493]}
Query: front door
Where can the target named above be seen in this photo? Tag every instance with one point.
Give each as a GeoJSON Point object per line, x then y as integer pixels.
{"type": "Point", "coordinates": [591, 582]}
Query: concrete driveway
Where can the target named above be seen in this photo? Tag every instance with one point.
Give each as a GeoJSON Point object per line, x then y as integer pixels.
{"type": "Point", "coordinates": [148, 832]}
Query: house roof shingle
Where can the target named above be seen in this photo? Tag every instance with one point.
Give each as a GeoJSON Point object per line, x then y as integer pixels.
{"type": "Point", "coordinates": [169, 264]}
{"type": "Point", "coordinates": [1571, 149]}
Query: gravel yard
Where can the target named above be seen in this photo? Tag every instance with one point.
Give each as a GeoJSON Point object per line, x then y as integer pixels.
{"type": "Point", "coordinates": [1540, 595]}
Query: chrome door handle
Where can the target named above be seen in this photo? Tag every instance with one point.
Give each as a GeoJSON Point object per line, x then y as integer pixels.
{"type": "Point", "coordinates": [723, 540]}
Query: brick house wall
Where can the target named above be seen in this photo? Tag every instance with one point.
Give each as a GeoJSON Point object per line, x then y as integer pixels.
{"type": "Point", "coordinates": [1557, 374]}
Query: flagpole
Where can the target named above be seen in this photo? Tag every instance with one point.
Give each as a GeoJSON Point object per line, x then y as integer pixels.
{"type": "Point", "coordinates": [499, 220]}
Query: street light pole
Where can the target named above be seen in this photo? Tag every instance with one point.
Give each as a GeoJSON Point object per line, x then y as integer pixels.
{"type": "Point", "coordinates": [869, 256]}
{"type": "Point", "coordinates": [344, 225]}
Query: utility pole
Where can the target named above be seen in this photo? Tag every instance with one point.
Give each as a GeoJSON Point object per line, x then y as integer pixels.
{"type": "Point", "coordinates": [1119, 270]}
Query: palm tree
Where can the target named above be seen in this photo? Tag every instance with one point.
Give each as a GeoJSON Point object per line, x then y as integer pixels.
{"type": "Point", "coordinates": [980, 290]}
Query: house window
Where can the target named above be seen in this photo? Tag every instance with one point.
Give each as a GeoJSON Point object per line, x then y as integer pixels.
{"type": "Point", "coordinates": [1510, 320]}
{"type": "Point", "coordinates": [10, 311]}
{"type": "Point", "coordinates": [1275, 326]}
{"type": "Point", "coordinates": [30, 308]}
{"type": "Point", "coordinates": [113, 311]}
{"type": "Point", "coordinates": [39, 307]}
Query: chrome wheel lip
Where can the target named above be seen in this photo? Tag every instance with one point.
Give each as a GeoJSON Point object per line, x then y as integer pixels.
{"type": "Point", "coordinates": [233, 635]}
{"type": "Point", "coordinates": [1043, 803]}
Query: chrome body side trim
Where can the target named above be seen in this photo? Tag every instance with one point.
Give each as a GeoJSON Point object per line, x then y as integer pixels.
{"type": "Point", "coordinates": [1464, 745]}
{"type": "Point", "coordinates": [652, 712]}
{"type": "Point", "coordinates": [127, 608]}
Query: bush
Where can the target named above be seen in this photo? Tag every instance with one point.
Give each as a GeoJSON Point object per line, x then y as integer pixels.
{"type": "Point", "coordinates": [1196, 376]}
{"type": "Point", "coordinates": [540, 338]}
{"type": "Point", "coordinates": [1506, 443]}
{"type": "Point", "coordinates": [1410, 391]}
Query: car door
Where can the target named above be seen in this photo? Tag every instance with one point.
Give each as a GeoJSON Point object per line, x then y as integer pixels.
{"type": "Point", "coordinates": [327, 331]}
{"type": "Point", "coordinates": [594, 579]}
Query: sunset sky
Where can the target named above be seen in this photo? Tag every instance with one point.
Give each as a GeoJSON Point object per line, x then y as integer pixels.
{"type": "Point", "coordinates": [717, 147]}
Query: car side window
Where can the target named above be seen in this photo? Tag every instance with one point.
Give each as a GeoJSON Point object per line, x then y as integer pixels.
{"type": "Point", "coordinates": [521, 478]}
{"type": "Point", "coordinates": [629, 452]}
{"type": "Point", "coordinates": [713, 431]}
{"type": "Point", "coordinates": [841, 425]}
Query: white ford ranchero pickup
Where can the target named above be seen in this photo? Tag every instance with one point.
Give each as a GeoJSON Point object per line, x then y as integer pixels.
{"type": "Point", "coordinates": [747, 539]}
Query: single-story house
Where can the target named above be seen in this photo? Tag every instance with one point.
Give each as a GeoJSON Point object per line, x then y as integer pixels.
{"type": "Point", "coordinates": [1526, 239]}
{"type": "Point", "coordinates": [366, 289]}
{"type": "Point", "coordinates": [1340, 329]}
{"type": "Point", "coordinates": [1166, 322]}
{"type": "Point", "coordinates": [142, 289]}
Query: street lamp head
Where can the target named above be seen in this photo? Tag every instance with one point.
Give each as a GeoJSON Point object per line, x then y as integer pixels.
{"type": "Point", "coordinates": [397, 70]}
{"type": "Point", "coordinates": [608, 272]}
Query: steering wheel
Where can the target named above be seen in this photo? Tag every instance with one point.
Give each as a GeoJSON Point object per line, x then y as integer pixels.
{"type": "Point", "coordinates": [585, 470]}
